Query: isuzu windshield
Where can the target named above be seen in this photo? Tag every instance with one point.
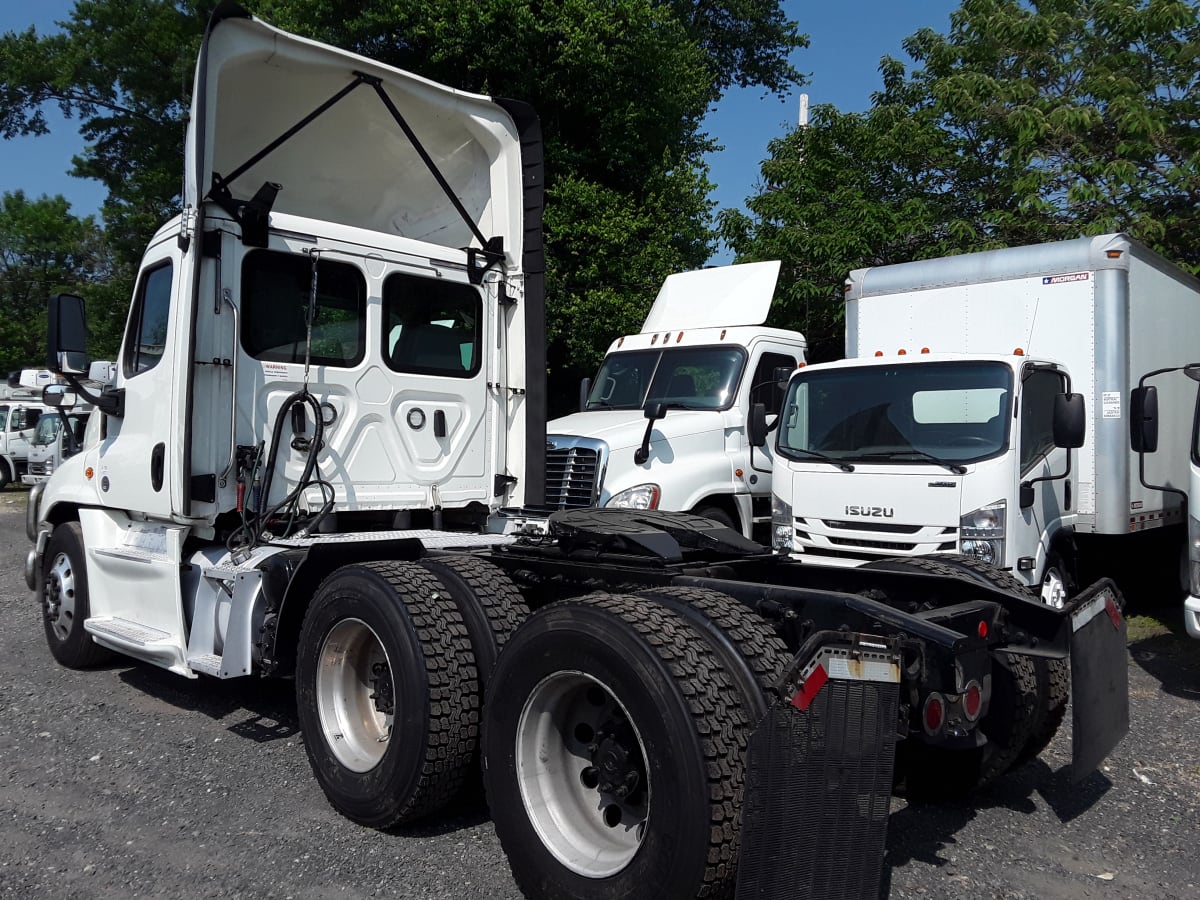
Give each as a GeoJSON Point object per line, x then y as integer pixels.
{"type": "Point", "coordinates": [945, 413]}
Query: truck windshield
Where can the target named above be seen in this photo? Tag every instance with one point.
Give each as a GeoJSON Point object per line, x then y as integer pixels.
{"type": "Point", "coordinates": [47, 431]}
{"type": "Point", "coordinates": [683, 377]}
{"type": "Point", "coordinates": [932, 412]}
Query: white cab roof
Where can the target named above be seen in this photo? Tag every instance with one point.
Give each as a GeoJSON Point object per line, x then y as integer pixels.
{"type": "Point", "coordinates": [711, 298]}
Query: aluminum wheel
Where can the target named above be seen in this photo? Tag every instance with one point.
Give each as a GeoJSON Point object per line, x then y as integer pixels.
{"type": "Point", "coordinates": [60, 596]}
{"type": "Point", "coordinates": [581, 767]}
{"type": "Point", "coordinates": [1054, 588]}
{"type": "Point", "coordinates": [356, 697]}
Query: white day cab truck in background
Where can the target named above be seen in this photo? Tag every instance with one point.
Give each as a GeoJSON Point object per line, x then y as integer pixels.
{"type": "Point", "coordinates": [666, 423]}
{"type": "Point", "coordinates": [20, 409]}
{"type": "Point", "coordinates": [330, 389]}
{"type": "Point", "coordinates": [983, 410]}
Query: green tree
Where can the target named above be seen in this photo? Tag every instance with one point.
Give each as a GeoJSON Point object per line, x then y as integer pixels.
{"type": "Point", "coordinates": [43, 250]}
{"type": "Point", "coordinates": [1028, 122]}
{"type": "Point", "coordinates": [621, 87]}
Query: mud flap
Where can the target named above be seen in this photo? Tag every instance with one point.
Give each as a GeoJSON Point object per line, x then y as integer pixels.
{"type": "Point", "coordinates": [1099, 678]}
{"type": "Point", "coordinates": [819, 775]}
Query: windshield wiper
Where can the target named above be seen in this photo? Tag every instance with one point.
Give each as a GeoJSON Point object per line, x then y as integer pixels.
{"type": "Point", "coordinates": [841, 464]}
{"type": "Point", "coordinates": [920, 454]}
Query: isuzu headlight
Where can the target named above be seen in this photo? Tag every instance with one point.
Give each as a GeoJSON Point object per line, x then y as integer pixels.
{"type": "Point", "coordinates": [982, 532]}
{"type": "Point", "coordinates": [782, 530]}
{"type": "Point", "coordinates": [640, 496]}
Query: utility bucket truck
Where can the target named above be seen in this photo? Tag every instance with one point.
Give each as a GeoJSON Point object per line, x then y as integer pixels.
{"type": "Point", "coordinates": [983, 409]}
{"type": "Point", "coordinates": [666, 422]}
{"type": "Point", "coordinates": [331, 382]}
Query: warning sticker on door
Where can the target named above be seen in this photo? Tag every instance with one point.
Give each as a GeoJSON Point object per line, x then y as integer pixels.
{"type": "Point", "coordinates": [275, 370]}
{"type": "Point", "coordinates": [1110, 403]}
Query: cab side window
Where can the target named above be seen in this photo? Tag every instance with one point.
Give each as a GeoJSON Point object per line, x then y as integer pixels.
{"type": "Point", "coordinates": [1037, 415]}
{"type": "Point", "coordinates": [431, 327]}
{"type": "Point", "coordinates": [763, 388]}
{"type": "Point", "coordinates": [147, 334]}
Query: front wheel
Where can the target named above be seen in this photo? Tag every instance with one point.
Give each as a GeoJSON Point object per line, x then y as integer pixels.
{"type": "Point", "coordinates": [614, 747]}
{"type": "Point", "coordinates": [386, 692]}
{"type": "Point", "coordinates": [1057, 582]}
{"type": "Point", "coordinates": [65, 600]}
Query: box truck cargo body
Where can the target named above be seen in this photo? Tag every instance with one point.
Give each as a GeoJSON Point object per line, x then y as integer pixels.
{"type": "Point", "coordinates": [1090, 315]}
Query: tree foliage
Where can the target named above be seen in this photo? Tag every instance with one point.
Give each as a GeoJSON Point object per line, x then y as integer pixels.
{"type": "Point", "coordinates": [1028, 122]}
{"type": "Point", "coordinates": [44, 249]}
{"type": "Point", "coordinates": [621, 88]}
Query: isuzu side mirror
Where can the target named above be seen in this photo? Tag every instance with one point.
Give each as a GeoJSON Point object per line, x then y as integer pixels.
{"type": "Point", "coordinates": [1070, 421]}
{"type": "Point", "coordinates": [783, 374]}
{"type": "Point", "coordinates": [59, 396]}
{"type": "Point", "coordinates": [756, 428]}
{"type": "Point", "coordinates": [66, 338]}
{"type": "Point", "coordinates": [1143, 419]}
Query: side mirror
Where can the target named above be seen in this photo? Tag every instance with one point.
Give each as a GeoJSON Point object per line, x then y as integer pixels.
{"type": "Point", "coordinates": [756, 428]}
{"type": "Point", "coordinates": [1192, 371]}
{"type": "Point", "coordinates": [66, 338]}
{"type": "Point", "coordinates": [14, 379]}
{"type": "Point", "coordinates": [1070, 421]}
{"type": "Point", "coordinates": [782, 375]}
{"type": "Point", "coordinates": [585, 388]}
{"type": "Point", "coordinates": [655, 409]}
{"type": "Point", "coordinates": [1143, 419]}
{"type": "Point", "coordinates": [59, 396]}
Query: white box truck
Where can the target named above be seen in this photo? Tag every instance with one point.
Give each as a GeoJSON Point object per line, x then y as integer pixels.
{"type": "Point", "coordinates": [665, 422]}
{"type": "Point", "coordinates": [948, 427]}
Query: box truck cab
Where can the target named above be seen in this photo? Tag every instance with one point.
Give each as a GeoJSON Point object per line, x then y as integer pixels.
{"type": "Point", "coordinates": [953, 426]}
{"type": "Point", "coordinates": [59, 435]}
{"type": "Point", "coordinates": [665, 423]}
{"type": "Point", "coordinates": [20, 410]}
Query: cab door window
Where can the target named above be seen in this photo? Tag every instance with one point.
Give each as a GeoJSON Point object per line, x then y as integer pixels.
{"type": "Point", "coordinates": [147, 334]}
{"type": "Point", "coordinates": [431, 327]}
{"type": "Point", "coordinates": [763, 389]}
{"type": "Point", "coordinates": [1037, 415]}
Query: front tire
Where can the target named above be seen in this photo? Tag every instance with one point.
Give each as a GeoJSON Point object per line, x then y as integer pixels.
{"type": "Point", "coordinates": [1057, 582]}
{"type": "Point", "coordinates": [65, 604]}
{"type": "Point", "coordinates": [387, 692]}
{"type": "Point", "coordinates": [614, 747]}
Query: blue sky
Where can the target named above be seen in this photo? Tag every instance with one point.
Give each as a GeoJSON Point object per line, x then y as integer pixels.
{"type": "Point", "coordinates": [842, 62]}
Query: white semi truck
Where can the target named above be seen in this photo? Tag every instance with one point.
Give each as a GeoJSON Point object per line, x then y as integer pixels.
{"type": "Point", "coordinates": [983, 409]}
{"type": "Point", "coordinates": [665, 424]}
{"type": "Point", "coordinates": [331, 381]}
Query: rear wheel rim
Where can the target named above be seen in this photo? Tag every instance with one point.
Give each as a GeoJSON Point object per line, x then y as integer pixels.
{"type": "Point", "coordinates": [60, 596]}
{"type": "Point", "coordinates": [1054, 588]}
{"type": "Point", "coordinates": [581, 768]}
{"type": "Point", "coordinates": [355, 695]}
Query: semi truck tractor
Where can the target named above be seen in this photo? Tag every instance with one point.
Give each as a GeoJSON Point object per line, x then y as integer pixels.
{"type": "Point", "coordinates": [664, 424]}
{"type": "Point", "coordinates": [983, 409]}
{"type": "Point", "coordinates": [331, 382]}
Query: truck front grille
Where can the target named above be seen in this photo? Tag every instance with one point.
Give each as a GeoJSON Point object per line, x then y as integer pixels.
{"type": "Point", "coordinates": [38, 468]}
{"type": "Point", "coordinates": [862, 540]}
{"type": "Point", "coordinates": [574, 471]}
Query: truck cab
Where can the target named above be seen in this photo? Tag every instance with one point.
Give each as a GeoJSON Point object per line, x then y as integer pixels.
{"type": "Point", "coordinates": [916, 454]}
{"type": "Point", "coordinates": [19, 417]}
{"type": "Point", "coordinates": [665, 422]}
{"type": "Point", "coordinates": [55, 441]}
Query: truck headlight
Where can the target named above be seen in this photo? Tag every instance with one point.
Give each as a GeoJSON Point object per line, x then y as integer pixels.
{"type": "Point", "coordinates": [640, 496]}
{"type": "Point", "coordinates": [981, 532]}
{"type": "Point", "coordinates": [782, 530]}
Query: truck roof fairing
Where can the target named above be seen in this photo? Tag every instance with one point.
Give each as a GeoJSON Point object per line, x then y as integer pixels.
{"type": "Point", "coordinates": [711, 298]}
{"type": "Point", "coordinates": [386, 150]}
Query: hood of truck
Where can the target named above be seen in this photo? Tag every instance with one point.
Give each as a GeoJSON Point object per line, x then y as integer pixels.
{"type": "Point", "coordinates": [253, 124]}
{"type": "Point", "coordinates": [711, 298]}
{"type": "Point", "coordinates": [866, 500]}
{"type": "Point", "coordinates": [621, 429]}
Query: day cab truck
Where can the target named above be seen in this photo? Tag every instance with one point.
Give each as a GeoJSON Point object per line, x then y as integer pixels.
{"type": "Point", "coordinates": [664, 424]}
{"type": "Point", "coordinates": [20, 409]}
{"type": "Point", "coordinates": [331, 386]}
{"type": "Point", "coordinates": [983, 409]}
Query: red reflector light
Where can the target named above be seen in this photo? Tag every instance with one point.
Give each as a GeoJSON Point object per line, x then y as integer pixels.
{"type": "Point", "coordinates": [804, 697]}
{"type": "Point", "coordinates": [972, 700]}
{"type": "Point", "coordinates": [934, 713]}
{"type": "Point", "coordinates": [982, 629]}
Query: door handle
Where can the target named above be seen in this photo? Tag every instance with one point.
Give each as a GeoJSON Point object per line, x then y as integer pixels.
{"type": "Point", "coordinates": [157, 457]}
{"type": "Point", "coordinates": [439, 423]}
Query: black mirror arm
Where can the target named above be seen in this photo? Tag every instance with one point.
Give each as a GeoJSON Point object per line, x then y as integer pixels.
{"type": "Point", "coordinates": [642, 453]}
{"type": "Point", "coordinates": [110, 403]}
{"type": "Point", "coordinates": [1027, 486]}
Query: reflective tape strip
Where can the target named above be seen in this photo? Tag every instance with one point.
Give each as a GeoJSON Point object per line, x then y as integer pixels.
{"type": "Point", "coordinates": [1098, 604]}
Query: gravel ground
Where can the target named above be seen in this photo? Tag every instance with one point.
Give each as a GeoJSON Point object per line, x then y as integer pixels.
{"type": "Point", "coordinates": [129, 781]}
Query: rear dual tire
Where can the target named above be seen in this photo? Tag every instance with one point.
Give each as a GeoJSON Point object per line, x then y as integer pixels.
{"type": "Point", "coordinates": [614, 741]}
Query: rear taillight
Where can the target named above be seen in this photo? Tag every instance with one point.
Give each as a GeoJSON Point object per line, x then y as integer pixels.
{"type": "Point", "coordinates": [933, 715]}
{"type": "Point", "coordinates": [972, 701]}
